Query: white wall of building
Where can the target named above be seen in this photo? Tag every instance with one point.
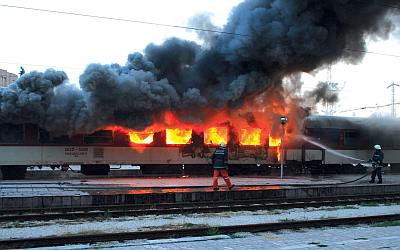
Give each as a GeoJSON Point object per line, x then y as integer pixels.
{"type": "Point", "coordinates": [6, 78]}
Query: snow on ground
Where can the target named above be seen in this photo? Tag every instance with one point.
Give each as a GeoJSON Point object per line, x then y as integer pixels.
{"type": "Point", "coordinates": [123, 224]}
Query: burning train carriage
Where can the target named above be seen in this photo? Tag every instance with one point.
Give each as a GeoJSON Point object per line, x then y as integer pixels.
{"type": "Point", "coordinates": [180, 76]}
{"type": "Point", "coordinates": [171, 150]}
{"type": "Point", "coordinates": [188, 151]}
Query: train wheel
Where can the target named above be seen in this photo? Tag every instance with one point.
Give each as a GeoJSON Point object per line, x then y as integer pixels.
{"type": "Point", "coordinates": [13, 172]}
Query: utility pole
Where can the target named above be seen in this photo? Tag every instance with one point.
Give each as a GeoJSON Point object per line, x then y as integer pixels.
{"type": "Point", "coordinates": [333, 89]}
{"type": "Point", "coordinates": [283, 122]}
{"type": "Point", "coordinates": [393, 85]}
{"type": "Point", "coordinates": [328, 106]}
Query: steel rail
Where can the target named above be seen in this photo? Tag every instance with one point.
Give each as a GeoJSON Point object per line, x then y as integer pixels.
{"type": "Point", "coordinates": [198, 231]}
{"type": "Point", "coordinates": [187, 208]}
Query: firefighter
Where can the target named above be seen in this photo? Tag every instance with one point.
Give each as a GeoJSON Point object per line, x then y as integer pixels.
{"type": "Point", "coordinates": [377, 163]}
{"type": "Point", "coordinates": [220, 165]}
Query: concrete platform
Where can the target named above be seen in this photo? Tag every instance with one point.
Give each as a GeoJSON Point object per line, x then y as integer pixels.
{"type": "Point", "coordinates": [98, 191]}
{"type": "Point", "coordinates": [86, 192]}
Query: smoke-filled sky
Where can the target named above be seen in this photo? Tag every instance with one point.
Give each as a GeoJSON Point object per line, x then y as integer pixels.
{"type": "Point", "coordinates": [129, 73]}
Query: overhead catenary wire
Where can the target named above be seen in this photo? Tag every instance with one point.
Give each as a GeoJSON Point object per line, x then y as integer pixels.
{"type": "Point", "coordinates": [120, 19]}
{"type": "Point", "coordinates": [385, 4]}
{"type": "Point", "coordinates": [371, 52]}
{"type": "Point", "coordinates": [68, 67]}
{"type": "Point", "coordinates": [368, 107]}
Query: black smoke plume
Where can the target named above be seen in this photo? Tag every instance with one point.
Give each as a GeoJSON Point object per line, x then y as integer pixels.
{"type": "Point", "coordinates": [275, 38]}
{"type": "Point", "coordinates": [360, 132]}
{"type": "Point", "coordinates": [324, 92]}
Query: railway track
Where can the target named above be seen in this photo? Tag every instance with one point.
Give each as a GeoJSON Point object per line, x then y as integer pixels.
{"type": "Point", "coordinates": [185, 208]}
{"type": "Point", "coordinates": [197, 231]}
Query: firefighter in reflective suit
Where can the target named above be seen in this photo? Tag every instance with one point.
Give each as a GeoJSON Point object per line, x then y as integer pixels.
{"type": "Point", "coordinates": [377, 163]}
{"type": "Point", "coordinates": [220, 165]}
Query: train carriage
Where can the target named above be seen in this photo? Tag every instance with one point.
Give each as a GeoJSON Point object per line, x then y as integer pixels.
{"type": "Point", "coordinates": [320, 149]}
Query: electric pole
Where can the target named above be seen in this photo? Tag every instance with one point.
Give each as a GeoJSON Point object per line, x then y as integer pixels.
{"type": "Point", "coordinates": [333, 89]}
{"type": "Point", "coordinates": [393, 85]}
{"type": "Point", "coordinates": [328, 106]}
{"type": "Point", "coordinates": [283, 122]}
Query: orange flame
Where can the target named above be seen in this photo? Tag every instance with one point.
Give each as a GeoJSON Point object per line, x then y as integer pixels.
{"type": "Point", "coordinates": [276, 142]}
{"type": "Point", "coordinates": [178, 136]}
{"type": "Point", "coordinates": [145, 137]}
{"type": "Point", "coordinates": [216, 135]}
{"type": "Point", "coordinates": [250, 137]}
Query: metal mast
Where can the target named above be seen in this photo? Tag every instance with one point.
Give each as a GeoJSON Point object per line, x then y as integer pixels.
{"type": "Point", "coordinates": [393, 85]}
{"type": "Point", "coordinates": [283, 122]}
{"type": "Point", "coordinates": [328, 106]}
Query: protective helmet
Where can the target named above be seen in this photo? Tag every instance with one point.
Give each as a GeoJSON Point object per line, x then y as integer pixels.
{"type": "Point", "coordinates": [222, 144]}
{"type": "Point", "coordinates": [377, 146]}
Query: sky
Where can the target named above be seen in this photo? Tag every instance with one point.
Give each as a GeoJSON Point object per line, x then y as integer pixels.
{"type": "Point", "coordinates": [39, 40]}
